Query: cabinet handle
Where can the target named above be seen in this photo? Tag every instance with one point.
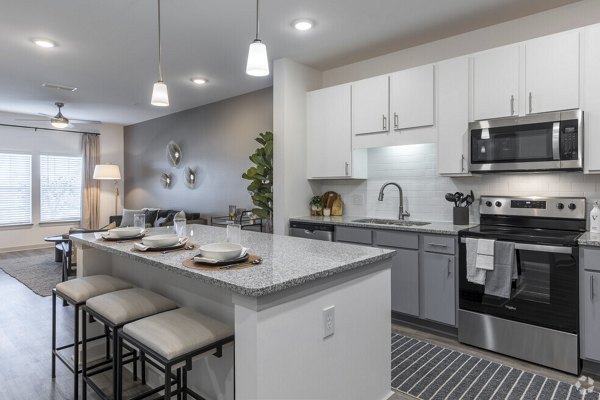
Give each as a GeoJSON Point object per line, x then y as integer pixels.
{"type": "Point", "coordinates": [384, 122]}
{"type": "Point", "coordinates": [512, 104]}
{"type": "Point", "coordinates": [395, 121]}
{"type": "Point", "coordinates": [530, 105]}
{"type": "Point", "coordinates": [462, 163]}
{"type": "Point", "coordinates": [436, 245]}
{"type": "Point", "coordinates": [449, 270]}
{"type": "Point", "coordinates": [347, 168]}
{"type": "Point", "coordinates": [592, 294]}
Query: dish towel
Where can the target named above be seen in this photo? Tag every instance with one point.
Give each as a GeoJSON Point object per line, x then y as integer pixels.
{"type": "Point", "coordinates": [474, 274]}
{"type": "Point", "coordinates": [485, 254]}
{"type": "Point", "coordinates": [498, 282]}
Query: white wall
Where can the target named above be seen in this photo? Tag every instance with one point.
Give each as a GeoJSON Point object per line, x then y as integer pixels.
{"type": "Point", "coordinates": [414, 168]}
{"type": "Point", "coordinates": [291, 190]}
{"type": "Point", "coordinates": [575, 15]}
{"type": "Point", "coordinates": [60, 143]}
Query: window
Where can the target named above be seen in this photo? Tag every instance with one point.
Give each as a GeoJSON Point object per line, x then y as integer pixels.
{"type": "Point", "coordinates": [60, 188]}
{"type": "Point", "coordinates": [15, 189]}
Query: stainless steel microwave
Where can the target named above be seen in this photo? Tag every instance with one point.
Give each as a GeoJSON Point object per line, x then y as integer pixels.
{"type": "Point", "coordinates": [540, 142]}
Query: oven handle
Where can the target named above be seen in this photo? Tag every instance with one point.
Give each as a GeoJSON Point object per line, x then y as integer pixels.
{"type": "Point", "coordinates": [538, 247]}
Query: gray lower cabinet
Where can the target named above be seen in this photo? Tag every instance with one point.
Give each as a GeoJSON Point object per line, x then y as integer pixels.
{"type": "Point", "coordinates": [591, 315]}
{"type": "Point", "coordinates": [438, 297]}
{"type": "Point", "coordinates": [405, 282]}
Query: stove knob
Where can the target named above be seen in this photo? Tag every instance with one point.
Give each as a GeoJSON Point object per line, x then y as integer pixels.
{"type": "Point", "coordinates": [488, 203]}
{"type": "Point", "coordinates": [498, 204]}
{"type": "Point", "coordinates": [572, 206]}
{"type": "Point", "coordinates": [560, 206]}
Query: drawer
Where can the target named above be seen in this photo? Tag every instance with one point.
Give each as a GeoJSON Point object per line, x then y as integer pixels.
{"type": "Point", "coordinates": [401, 240]}
{"type": "Point", "coordinates": [591, 259]}
{"type": "Point", "coordinates": [353, 235]}
{"type": "Point", "coordinates": [439, 244]}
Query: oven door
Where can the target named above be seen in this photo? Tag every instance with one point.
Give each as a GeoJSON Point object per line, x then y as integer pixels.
{"type": "Point", "coordinates": [545, 293]}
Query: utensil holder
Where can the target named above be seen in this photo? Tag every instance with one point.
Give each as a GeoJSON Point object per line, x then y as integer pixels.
{"type": "Point", "coordinates": [460, 216]}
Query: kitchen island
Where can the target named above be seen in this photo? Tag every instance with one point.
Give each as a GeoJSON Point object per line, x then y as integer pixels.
{"type": "Point", "coordinates": [277, 310]}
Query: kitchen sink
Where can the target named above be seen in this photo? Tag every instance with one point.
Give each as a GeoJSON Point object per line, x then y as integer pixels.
{"type": "Point", "coordinates": [390, 222]}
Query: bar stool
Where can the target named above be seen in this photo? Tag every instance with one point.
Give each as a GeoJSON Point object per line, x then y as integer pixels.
{"type": "Point", "coordinates": [114, 310]}
{"type": "Point", "coordinates": [173, 339]}
{"type": "Point", "coordinates": [76, 292]}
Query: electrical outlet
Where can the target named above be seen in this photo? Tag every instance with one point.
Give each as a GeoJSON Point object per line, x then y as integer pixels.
{"type": "Point", "coordinates": [328, 321]}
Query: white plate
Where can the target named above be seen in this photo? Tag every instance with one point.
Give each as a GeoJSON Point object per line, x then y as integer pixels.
{"type": "Point", "coordinates": [124, 232]}
{"type": "Point", "coordinates": [160, 240]}
{"type": "Point", "coordinates": [221, 251]}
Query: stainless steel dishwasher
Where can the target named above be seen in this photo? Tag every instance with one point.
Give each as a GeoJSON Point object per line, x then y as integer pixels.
{"type": "Point", "coordinates": [310, 230]}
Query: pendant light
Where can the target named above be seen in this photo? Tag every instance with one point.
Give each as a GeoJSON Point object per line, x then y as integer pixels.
{"type": "Point", "coordinates": [258, 63]}
{"type": "Point", "coordinates": [160, 95]}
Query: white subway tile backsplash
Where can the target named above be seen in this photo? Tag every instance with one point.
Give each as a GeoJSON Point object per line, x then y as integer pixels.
{"type": "Point", "coordinates": [414, 167]}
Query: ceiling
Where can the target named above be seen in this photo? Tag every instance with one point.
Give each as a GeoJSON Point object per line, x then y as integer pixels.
{"type": "Point", "coordinates": [108, 49]}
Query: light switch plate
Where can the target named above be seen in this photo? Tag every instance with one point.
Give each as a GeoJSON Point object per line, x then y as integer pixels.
{"type": "Point", "coordinates": [328, 321]}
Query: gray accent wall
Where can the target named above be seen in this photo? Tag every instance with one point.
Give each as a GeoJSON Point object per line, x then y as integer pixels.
{"type": "Point", "coordinates": [215, 139]}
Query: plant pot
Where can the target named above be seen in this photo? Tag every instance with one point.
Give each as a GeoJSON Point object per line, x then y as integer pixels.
{"type": "Point", "coordinates": [460, 216]}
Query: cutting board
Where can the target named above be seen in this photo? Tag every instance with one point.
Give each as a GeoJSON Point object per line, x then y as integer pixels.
{"type": "Point", "coordinates": [328, 198]}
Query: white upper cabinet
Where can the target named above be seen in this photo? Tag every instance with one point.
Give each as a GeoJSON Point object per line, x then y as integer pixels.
{"type": "Point", "coordinates": [329, 137]}
{"type": "Point", "coordinates": [371, 105]}
{"type": "Point", "coordinates": [453, 116]}
{"type": "Point", "coordinates": [412, 97]}
{"type": "Point", "coordinates": [496, 83]}
{"type": "Point", "coordinates": [590, 99]}
{"type": "Point", "coordinates": [552, 73]}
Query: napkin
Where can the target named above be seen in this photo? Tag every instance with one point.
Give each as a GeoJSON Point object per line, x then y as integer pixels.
{"type": "Point", "coordinates": [143, 247]}
{"type": "Point", "coordinates": [213, 261]}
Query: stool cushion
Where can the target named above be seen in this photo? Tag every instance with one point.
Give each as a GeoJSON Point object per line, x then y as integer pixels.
{"type": "Point", "coordinates": [129, 305]}
{"type": "Point", "coordinates": [174, 333]}
{"type": "Point", "coordinates": [82, 289]}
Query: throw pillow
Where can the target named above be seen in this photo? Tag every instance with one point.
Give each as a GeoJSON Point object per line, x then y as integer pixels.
{"type": "Point", "coordinates": [127, 219]}
{"type": "Point", "coordinates": [151, 214]}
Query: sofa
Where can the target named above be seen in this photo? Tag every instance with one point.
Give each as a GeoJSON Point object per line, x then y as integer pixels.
{"type": "Point", "coordinates": [156, 217]}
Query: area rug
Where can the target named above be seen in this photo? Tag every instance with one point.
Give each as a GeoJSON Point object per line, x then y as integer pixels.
{"type": "Point", "coordinates": [39, 272]}
{"type": "Point", "coordinates": [431, 372]}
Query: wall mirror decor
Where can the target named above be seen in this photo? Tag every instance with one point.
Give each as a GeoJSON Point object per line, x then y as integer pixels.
{"type": "Point", "coordinates": [190, 177]}
{"type": "Point", "coordinates": [165, 180]}
{"type": "Point", "coordinates": [174, 153]}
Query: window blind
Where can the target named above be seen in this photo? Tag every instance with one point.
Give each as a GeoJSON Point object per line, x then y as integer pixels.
{"type": "Point", "coordinates": [60, 188]}
{"type": "Point", "coordinates": [15, 189]}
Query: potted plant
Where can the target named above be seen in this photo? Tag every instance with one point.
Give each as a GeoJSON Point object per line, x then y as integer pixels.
{"type": "Point", "coordinates": [261, 179]}
{"type": "Point", "coordinates": [316, 205]}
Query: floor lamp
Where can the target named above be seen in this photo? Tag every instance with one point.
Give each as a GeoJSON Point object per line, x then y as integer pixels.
{"type": "Point", "coordinates": [109, 171]}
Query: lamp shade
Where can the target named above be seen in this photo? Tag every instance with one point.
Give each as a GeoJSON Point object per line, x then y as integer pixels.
{"type": "Point", "coordinates": [160, 95]}
{"type": "Point", "coordinates": [107, 171]}
{"type": "Point", "coordinates": [258, 62]}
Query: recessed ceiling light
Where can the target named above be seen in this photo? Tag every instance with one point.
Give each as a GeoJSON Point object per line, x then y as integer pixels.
{"type": "Point", "coordinates": [303, 24]}
{"type": "Point", "coordinates": [199, 81]}
{"type": "Point", "coordinates": [45, 43]}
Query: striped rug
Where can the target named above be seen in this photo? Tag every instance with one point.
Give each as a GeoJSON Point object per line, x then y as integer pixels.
{"type": "Point", "coordinates": [431, 372]}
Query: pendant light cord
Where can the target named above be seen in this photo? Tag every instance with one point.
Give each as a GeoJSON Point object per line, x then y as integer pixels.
{"type": "Point", "coordinates": [257, 24]}
{"type": "Point", "coordinates": [160, 75]}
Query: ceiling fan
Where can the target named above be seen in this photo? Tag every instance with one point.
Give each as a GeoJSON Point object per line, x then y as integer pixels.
{"type": "Point", "coordinates": [59, 120]}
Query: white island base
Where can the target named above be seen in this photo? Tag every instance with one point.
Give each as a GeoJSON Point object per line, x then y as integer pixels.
{"type": "Point", "coordinates": [280, 348]}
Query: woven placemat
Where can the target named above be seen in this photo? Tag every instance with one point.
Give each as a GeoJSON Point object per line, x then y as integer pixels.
{"type": "Point", "coordinates": [194, 265]}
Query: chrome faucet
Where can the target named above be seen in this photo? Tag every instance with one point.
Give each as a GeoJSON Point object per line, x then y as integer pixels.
{"type": "Point", "coordinates": [401, 212]}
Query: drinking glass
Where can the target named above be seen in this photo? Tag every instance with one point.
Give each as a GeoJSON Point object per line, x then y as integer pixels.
{"type": "Point", "coordinates": [234, 233]}
{"type": "Point", "coordinates": [232, 210]}
{"type": "Point", "coordinates": [139, 221]}
{"type": "Point", "coordinates": [180, 227]}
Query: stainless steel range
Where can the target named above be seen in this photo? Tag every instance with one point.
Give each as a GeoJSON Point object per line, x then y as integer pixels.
{"type": "Point", "coordinates": [538, 320]}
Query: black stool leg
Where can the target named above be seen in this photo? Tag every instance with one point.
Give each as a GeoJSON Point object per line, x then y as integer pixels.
{"type": "Point", "coordinates": [76, 355]}
{"type": "Point", "coordinates": [184, 383]}
{"type": "Point", "coordinates": [115, 364]}
{"type": "Point", "coordinates": [53, 334]}
{"type": "Point", "coordinates": [107, 334]}
{"type": "Point", "coordinates": [167, 382]}
{"type": "Point", "coordinates": [179, 383]}
{"type": "Point", "coordinates": [84, 356]}
{"type": "Point", "coordinates": [143, 366]}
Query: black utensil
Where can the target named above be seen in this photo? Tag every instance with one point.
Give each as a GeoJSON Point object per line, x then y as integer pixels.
{"type": "Point", "coordinates": [450, 197]}
{"type": "Point", "coordinates": [457, 198]}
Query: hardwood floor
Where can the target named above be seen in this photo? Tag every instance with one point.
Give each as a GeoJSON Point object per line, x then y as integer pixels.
{"type": "Point", "coordinates": [25, 342]}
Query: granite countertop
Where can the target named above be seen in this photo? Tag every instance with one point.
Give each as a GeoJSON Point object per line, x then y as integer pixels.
{"type": "Point", "coordinates": [445, 228]}
{"type": "Point", "coordinates": [287, 261]}
{"type": "Point", "coordinates": [589, 239]}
